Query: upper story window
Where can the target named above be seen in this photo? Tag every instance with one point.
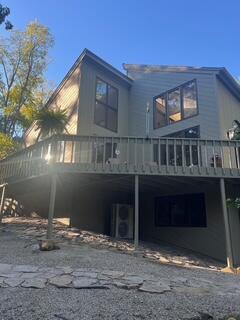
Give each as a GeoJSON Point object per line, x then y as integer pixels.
{"type": "Point", "coordinates": [175, 105]}
{"type": "Point", "coordinates": [106, 105]}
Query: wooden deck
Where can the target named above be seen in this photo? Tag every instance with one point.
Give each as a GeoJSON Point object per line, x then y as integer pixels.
{"type": "Point", "coordinates": [124, 155]}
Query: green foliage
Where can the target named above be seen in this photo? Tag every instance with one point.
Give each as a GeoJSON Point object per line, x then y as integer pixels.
{"type": "Point", "coordinates": [23, 61]}
{"type": "Point", "coordinates": [4, 12]}
{"type": "Point", "coordinates": [50, 122]}
{"type": "Point", "coordinates": [7, 145]}
{"type": "Point", "coordinates": [233, 203]}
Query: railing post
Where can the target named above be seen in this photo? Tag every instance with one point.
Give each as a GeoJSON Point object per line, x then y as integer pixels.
{"type": "Point", "coordinates": [136, 221]}
{"type": "Point", "coordinates": [226, 225]}
{"type": "Point", "coordinates": [53, 189]}
{"type": "Point", "coordinates": [2, 202]}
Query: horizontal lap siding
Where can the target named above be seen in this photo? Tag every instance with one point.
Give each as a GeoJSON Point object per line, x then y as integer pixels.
{"type": "Point", "coordinates": [229, 108]}
{"type": "Point", "coordinates": [65, 99]}
{"type": "Point", "coordinates": [209, 241]}
{"type": "Point", "coordinates": [87, 102]}
{"type": "Point", "coordinates": [147, 85]}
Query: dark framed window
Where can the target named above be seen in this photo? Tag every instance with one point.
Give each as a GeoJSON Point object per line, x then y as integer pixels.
{"type": "Point", "coordinates": [187, 210]}
{"type": "Point", "coordinates": [175, 105]}
{"type": "Point", "coordinates": [106, 105]}
{"type": "Point", "coordinates": [182, 155]}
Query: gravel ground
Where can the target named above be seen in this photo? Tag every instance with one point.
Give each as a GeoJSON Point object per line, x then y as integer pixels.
{"type": "Point", "coordinates": [53, 303]}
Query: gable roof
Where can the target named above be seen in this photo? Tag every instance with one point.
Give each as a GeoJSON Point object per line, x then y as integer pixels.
{"type": "Point", "coordinates": [86, 54]}
{"type": "Point", "coordinates": [92, 57]}
{"type": "Point", "coordinates": [222, 73]}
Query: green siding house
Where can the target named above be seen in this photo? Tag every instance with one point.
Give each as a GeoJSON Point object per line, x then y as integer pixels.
{"type": "Point", "coordinates": [154, 138]}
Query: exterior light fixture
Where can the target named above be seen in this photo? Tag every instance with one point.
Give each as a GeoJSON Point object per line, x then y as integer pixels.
{"type": "Point", "coordinates": [231, 132]}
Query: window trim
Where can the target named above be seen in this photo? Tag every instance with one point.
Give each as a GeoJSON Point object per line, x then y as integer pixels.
{"type": "Point", "coordinates": [106, 105]}
{"type": "Point", "coordinates": [165, 95]}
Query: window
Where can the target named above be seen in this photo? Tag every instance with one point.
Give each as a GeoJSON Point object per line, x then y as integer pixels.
{"type": "Point", "coordinates": [190, 99]}
{"type": "Point", "coordinates": [181, 211]}
{"type": "Point", "coordinates": [181, 154]}
{"type": "Point", "coordinates": [106, 106]}
{"type": "Point", "coordinates": [160, 119]}
{"type": "Point", "coordinates": [175, 105]}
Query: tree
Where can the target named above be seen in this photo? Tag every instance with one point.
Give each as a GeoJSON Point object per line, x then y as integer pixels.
{"type": "Point", "coordinates": [50, 122]}
{"type": "Point", "coordinates": [23, 60]}
{"type": "Point", "coordinates": [4, 12]}
{"type": "Point", "coordinates": [235, 203]}
{"type": "Point", "coordinates": [7, 145]}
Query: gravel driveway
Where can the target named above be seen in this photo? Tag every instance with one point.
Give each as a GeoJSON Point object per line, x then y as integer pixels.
{"type": "Point", "coordinates": [208, 291]}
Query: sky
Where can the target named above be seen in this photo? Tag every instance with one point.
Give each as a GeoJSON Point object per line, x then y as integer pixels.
{"type": "Point", "coordinates": [173, 32]}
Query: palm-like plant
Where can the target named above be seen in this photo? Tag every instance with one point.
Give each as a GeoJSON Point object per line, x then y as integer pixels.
{"type": "Point", "coordinates": [50, 122]}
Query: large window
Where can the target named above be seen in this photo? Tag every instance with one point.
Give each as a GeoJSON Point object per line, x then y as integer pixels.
{"type": "Point", "coordinates": [106, 106]}
{"type": "Point", "coordinates": [175, 105]}
{"type": "Point", "coordinates": [181, 211]}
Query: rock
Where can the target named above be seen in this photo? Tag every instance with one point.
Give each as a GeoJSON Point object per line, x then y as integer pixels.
{"type": "Point", "coordinates": [4, 267]}
{"type": "Point", "coordinates": [63, 281]}
{"type": "Point", "coordinates": [132, 279]}
{"type": "Point", "coordinates": [35, 248]}
{"type": "Point", "coordinates": [11, 275]}
{"type": "Point", "coordinates": [112, 273]}
{"type": "Point", "coordinates": [34, 283]}
{"type": "Point", "coordinates": [66, 270]}
{"type": "Point", "coordinates": [31, 275]}
{"type": "Point", "coordinates": [25, 268]}
{"type": "Point", "coordinates": [85, 274]}
{"type": "Point", "coordinates": [154, 287]}
{"type": "Point", "coordinates": [163, 260]}
{"type": "Point", "coordinates": [13, 282]}
{"type": "Point", "coordinates": [81, 283]}
{"type": "Point", "coordinates": [47, 245]}
{"type": "Point", "coordinates": [124, 285]}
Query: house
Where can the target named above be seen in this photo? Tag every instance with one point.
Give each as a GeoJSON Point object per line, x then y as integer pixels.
{"type": "Point", "coordinates": [154, 137]}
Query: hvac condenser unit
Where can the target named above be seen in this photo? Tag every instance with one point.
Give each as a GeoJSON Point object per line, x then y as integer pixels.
{"type": "Point", "coordinates": [122, 221]}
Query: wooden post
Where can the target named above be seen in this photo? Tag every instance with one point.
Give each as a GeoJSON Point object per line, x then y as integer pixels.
{"type": "Point", "coordinates": [136, 224]}
{"type": "Point", "coordinates": [51, 206]}
{"type": "Point", "coordinates": [2, 202]}
{"type": "Point", "coordinates": [226, 225]}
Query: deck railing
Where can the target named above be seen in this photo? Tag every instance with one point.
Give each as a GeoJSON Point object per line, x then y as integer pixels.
{"type": "Point", "coordinates": [160, 156]}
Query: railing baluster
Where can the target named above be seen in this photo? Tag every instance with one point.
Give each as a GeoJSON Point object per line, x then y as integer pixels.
{"type": "Point", "coordinates": [222, 158]}
{"type": "Point", "coordinates": [167, 156]}
{"type": "Point", "coordinates": [128, 161]}
{"type": "Point", "coordinates": [143, 155]}
{"type": "Point", "coordinates": [96, 151]}
{"type": "Point", "coordinates": [237, 150]}
{"type": "Point", "coordinates": [159, 155]}
{"type": "Point", "coordinates": [198, 157]}
{"type": "Point", "coordinates": [64, 148]}
{"type": "Point", "coordinates": [230, 156]}
{"type": "Point", "coordinates": [72, 151]}
{"type": "Point", "coordinates": [175, 154]}
{"type": "Point", "coordinates": [104, 151]}
{"type": "Point", "coordinates": [214, 155]}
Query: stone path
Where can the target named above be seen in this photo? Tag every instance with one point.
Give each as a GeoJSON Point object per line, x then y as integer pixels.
{"type": "Point", "coordinates": [28, 276]}
{"type": "Point", "coordinates": [34, 228]}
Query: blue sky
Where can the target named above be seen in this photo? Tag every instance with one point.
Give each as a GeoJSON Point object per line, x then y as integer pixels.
{"type": "Point", "coordinates": [173, 32]}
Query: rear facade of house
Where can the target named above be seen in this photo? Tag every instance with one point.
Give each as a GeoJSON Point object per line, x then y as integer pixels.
{"type": "Point", "coordinates": [154, 118]}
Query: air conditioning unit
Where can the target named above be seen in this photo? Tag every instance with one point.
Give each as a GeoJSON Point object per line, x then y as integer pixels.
{"type": "Point", "coordinates": [122, 221]}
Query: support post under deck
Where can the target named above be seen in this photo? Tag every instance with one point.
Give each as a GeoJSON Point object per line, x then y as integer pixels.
{"type": "Point", "coordinates": [53, 189]}
{"type": "Point", "coordinates": [226, 225]}
{"type": "Point", "coordinates": [136, 220]}
{"type": "Point", "coordinates": [2, 202]}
